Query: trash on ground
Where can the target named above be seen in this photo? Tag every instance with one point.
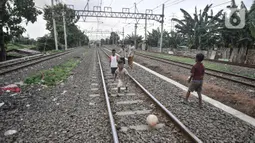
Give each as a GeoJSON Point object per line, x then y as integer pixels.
{"type": "Point", "coordinates": [10, 132]}
{"type": "Point", "coordinates": [64, 92]}
{"type": "Point", "coordinates": [27, 105]}
{"type": "Point", "coordinates": [11, 88]}
{"type": "Point", "coordinates": [14, 94]}
{"type": "Point", "coordinates": [1, 104]}
{"type": "Point", "coordinates": [19, 83]}
{"type": "Point", "coordinates": [54, 99]}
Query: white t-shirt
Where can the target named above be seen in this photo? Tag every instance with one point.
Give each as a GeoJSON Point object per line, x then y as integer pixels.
{"type": "Point", "coordinates": [122, 53]}
{"type": "Point", "coordinates": [131, 51]}
{"type": "Point", "coordinates": [113, 60]}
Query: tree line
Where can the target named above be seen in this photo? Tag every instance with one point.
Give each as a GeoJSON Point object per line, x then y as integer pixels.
{"type": "Point", "coordinates": [14, 12]}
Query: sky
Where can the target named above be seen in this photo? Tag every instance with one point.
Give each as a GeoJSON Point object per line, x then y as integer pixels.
{"type": "Point", "coordinates": [172, 9]}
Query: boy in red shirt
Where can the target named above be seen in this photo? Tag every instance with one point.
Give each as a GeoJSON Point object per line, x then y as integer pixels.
{"type": "Point", "coordinates": [196, 78]}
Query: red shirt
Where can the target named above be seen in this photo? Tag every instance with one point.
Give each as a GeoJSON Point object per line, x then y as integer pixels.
{"type": "Point", "coordinates": [198, 71]}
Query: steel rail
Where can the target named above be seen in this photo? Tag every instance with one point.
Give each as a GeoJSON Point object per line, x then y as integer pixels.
{"type": "Point", "coordinates": [220, 76]}
{"type": "Point", "coordinates": [114, 131]}
{"type": "Point", "coordinates": [32, 63]}
{"type": "Point", "coordinates": [27, 60]}
{"type": "Point", "coordinates": [169, 113]}
{"type": "Point", "coordinates": [19, 59]}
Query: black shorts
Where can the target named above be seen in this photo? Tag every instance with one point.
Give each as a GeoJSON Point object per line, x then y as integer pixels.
{"type": "Point", "coordinates": [113, 70]}
{"type": "Point", "coordinates": [123, 60]}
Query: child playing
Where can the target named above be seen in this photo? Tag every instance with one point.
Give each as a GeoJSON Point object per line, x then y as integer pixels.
{"type": "Point", "coordinates": [113, 62]}
{"type": "Point", "coordinates": [131, 52]}
{"type": "Point", "coordinates": [122, 75]}
{"type": "Point", "coordinates": [122, 53]}
{"type": "Point", "coordinates": [196, 78]}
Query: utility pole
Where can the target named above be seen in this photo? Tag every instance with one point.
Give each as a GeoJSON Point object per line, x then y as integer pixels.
{"type": "Point", "coordinates": [54, 26]}
{"type": "Point", "coordinates": [145, 32]}
{"type": "Point", "coordinates": [135, 27]}
{"type": "Point", "coordinates": [162, 28]}
{"type": "Point", "coordinates": [135, 35]}
{"type": "Point", "coordinates": [123, 36]}
{"type": "Point", "coordinates": [64, 21]}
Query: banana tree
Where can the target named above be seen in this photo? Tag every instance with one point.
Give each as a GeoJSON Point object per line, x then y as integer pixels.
{"type": "Point", "coordinates": [200, 29]}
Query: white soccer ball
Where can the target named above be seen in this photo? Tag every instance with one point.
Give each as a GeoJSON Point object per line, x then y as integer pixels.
{"type": "Point", "coordinates": [152, 120]}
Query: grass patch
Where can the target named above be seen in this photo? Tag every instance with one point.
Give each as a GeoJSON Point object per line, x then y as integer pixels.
{"type": "Point", "coordinates": [207, 64]}
{"type": "Point", "coordinates": [55, 75]}
{"type": "Point", "coordinates": [19, 46]}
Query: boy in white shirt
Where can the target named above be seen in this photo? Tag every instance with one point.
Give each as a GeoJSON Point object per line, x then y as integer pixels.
{"type": "Point", "coordinates": [122, 75]}
{"type": "Point", "coordinates": [113, 62]}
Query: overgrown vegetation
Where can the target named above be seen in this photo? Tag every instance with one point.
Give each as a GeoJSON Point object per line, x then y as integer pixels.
{"type": "Point", "coordinates": [13, 46]}
{"type": "Point", "coordinates": [55, 75]}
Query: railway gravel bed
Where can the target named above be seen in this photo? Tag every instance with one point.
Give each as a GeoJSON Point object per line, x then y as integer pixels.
{"type": "Point", "coordinates": [210, 124]}
{"type": "Point", "coordinates": [232, 94]}
{"type": "Point", "coordinates": [168, 133]}
{"type": "Point", "coordinates": [20, 75]}
{"type": "Point", "coordinates": [64, 113]}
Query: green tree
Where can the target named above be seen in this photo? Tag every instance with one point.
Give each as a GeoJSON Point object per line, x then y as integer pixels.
{"type": "Point", "coordinates": [74, 35]}
{"type": "Point", "coordinates": [114, 38]}
{"type": "Point", "coordinates": [199, 30]}
{"type": "Point", "coordinates": [12, 13]}
{"type": "Point", "coordinates": [154, 38]}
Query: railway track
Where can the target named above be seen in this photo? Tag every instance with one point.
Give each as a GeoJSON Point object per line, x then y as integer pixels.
{"type": "Point", "coordinates": [224, 75]}
{"type": "Point", "coordinates": [128, 112]}
{"type": "Point", "coordinates": [16, 65]}
{"type": "Point", "coordinates": [19, 59]}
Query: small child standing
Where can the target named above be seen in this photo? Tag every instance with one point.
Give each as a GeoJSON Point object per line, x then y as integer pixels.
{"type": "Point", "coordinates": [196, 78]}
{"type": "Point", "coordinates": [113, 62]}
{"type": "Point", "coordinates": [122, 75]}
{"type": "Point", "coordinates": [122, 53]}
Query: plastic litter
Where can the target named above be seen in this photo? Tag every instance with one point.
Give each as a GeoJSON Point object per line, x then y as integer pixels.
{"type": "Point", "coordinates": [10, 132]}
{"type": "Point", "coordinates": [1, 104]}
{"type": "Point", "coordinates": [11, 88]}
{"type": "Point", "coordinates": [64, 92]}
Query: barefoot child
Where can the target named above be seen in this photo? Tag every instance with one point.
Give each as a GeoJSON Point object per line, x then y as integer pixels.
{"type": "Point", "coordinates": [113, 62]}
{"type": "Point", "coordinates": [196, 78]}
{"type": "Point", "coordinates": [122, 53]}
{"type": "Point", "coordinates": [131, 52]}
{"type": "Point", "coordinates": [122, 75]}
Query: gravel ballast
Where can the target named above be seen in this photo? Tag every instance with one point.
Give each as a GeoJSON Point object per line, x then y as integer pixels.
{"type": "Point", "coordinates": [64, 113]}
{"type": "Point", "coordinates": [209, 123]}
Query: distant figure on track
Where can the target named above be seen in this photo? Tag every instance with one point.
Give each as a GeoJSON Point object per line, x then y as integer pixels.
{"type": "Point", "coordinates": [122, 53]}
{"type": "Point", "coordinates": [122, 74]}
{"type": "Point", "coordinates": [131, 52]}
{"type": "Point", "coordinates": [113, 62]}
{"type": "Point", "coordinates": [196, 78]}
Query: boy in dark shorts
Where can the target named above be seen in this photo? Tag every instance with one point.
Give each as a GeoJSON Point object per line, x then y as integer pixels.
{"type": "Point", "coordinates": [196, 78]}
{"type": "Point", "coordinates": [113, 62]}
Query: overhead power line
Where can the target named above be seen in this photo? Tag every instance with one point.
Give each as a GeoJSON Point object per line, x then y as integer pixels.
{"type": "Point", "coordinates": [161, 4]}
{"type": "Point", "coordinates": [221, 4]}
